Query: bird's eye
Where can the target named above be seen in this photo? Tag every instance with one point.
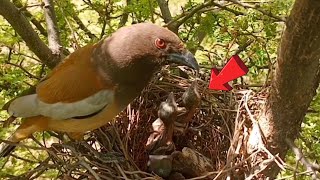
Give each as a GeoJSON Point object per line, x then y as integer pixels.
{"type": "Point", "coordinates": [160, 43]}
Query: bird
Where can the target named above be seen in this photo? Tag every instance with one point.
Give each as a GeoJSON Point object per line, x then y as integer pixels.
{"type": "Point", "coordinates": [160, 144]}
{"type": "Point", "coordinates": [168, 110]}
{"type": "Point", "coordinates": [160, 165]}
{"type": "Point", "coordinates": [191, 97]}
{"type": "Point", "coordinates": [191, 100]}
{"type": "Point", "coordinates": [96, 82]}
{"type": "Point", "coordinates": [160, 141]}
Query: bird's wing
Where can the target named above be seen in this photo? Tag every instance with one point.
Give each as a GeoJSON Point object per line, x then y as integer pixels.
{"type": "Point", "coordinates": [74, 88]}
{"type": "Point", "coordinates": [74, 79]}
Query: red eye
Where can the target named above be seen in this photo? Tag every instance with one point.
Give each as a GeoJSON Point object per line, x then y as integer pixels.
{"type": "Point", "coordinates": [160, 43]}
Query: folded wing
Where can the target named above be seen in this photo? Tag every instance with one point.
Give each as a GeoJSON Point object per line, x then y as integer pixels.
{"type": "Point", "coordinates": [74, 88]}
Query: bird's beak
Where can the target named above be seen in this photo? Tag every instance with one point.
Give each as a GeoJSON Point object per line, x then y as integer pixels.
{"type": "Point", "coordinates": [171, 99]}
{"type": "Point", "coordinates": [186, 59]}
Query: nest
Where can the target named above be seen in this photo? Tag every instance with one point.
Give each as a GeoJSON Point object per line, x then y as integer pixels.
{"type": "Point", "coordinates": [118, 150]}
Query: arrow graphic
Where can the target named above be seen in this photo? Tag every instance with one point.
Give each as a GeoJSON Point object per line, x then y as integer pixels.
{"type": "Point", "coordinates": [232, 70]}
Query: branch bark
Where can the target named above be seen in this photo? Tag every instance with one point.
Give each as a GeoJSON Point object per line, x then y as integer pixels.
{"type": "Point", "coordinates": [83, 27]}
{"type": "Point", "coordinates": [245, 5]}
{"type": "Point", "coordinates": [35, 22]}
{"type": "Point", "coordinates": [295, 81]}
{"type": "Point", "coordinates": [175, 23]}
{"type": "Point", "coordinates": [165, 11]}
{"type": "Point", "coordinates": [27, 33]}
{"type": "Point", "coordinates": [52, 28]}
{"type": "Point", "coordinates": [224, 7]}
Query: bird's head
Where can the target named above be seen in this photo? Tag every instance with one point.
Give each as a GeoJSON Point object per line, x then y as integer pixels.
{"type": "Point", "coordinates": [191, 97]}
{"type": "Point", "coordinates": [145, 47]}
{"type": "Point", "coordinates": [168, 109]}
{"type": "Point", "coordinates": [164, 45]}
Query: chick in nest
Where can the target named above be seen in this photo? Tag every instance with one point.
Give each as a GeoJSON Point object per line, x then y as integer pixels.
{"type": "Point", "coordinates": [160, 144]}
{"type": "Point", "coordinates": [163, 127]}
{"type": "Point", "coordinates": [191, 100]}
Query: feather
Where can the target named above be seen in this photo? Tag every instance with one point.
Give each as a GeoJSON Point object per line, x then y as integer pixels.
{"type": "Point", "coordinates": [25, 106]}
{"type": "Point", "coordinates": [28, 106]}
{"type": "Point", "coordinates": [87, 106]}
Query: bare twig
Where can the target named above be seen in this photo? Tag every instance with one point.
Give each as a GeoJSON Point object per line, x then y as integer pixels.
{"type": "Point", "coordinates": [311, 167]}
{"type": "Point", "coordinates": [224, 7]}
{"type": "Point", "coordinates": [244, 46]}
{"type": "Point", "coordinates": [34, 21]}
{"type": "Point", "coordinates": [75, 40]}
{"type": "Point", "coordinates": [258, 8]}
{"type": "Point", "coordinates": [30, 75]}
{"type": "Point", "coordinates": [194, 11]}
{"type": "Point", "coordinates": [182, 18]}
{"type": "Point", "coordinates": [23, 159]}
{"type": "Point", "coordinates": [83, 27]}
{"type": "Point", "coordinates": [18, 65]}
{"type": "Point", "coordinates": [124, 17]}
{"type": "Point", "coordinates": [106, 18]}
{"type": "Point", "coordinates": [81, 160]}
{"type": "Point", "coordinates": [165, 11]}
{"type": "Point", "coordinates": [22, 145]}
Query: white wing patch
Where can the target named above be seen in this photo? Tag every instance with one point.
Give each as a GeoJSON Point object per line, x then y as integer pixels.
{"type": "Point", "coordinates": [28, 106]}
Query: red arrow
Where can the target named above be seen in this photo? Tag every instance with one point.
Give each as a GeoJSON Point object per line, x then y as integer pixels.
{"type": "Point", "coordinates": [232, 70]}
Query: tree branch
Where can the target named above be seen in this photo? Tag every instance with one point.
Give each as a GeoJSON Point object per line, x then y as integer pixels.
{"type": "Point", "coordinates": [27, 33]}
{"type": "Point", "coordinates": [300, 157]}
{"type": "Point", "coordinates": [52, 28]}
{"type": "Point", "coordinates": [8, 61]}
{"type": "Point", "coordinates": [256, 7]}
{"type": "Point", "coordinates": [83, 27]}
{"type": "Point", "coordinates": [175, 23]}
{"type": "Point", "coordinates": [294, 82]}
{"type": "Point", "coordinates": [224, 7]}
{"type": "Point", "coordinates": [124, 17]}
{"type": "Point", "coordinates": [165, 11]}
{"type": "Point", "coordinates": [35, 22]}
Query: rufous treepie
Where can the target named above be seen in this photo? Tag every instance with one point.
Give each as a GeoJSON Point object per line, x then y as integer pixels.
{"type": "Point", "coordinates": [95, 83]}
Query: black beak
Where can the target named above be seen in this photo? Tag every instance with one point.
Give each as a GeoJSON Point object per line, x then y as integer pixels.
{"type": "Point", "coordinates": [186, 59]}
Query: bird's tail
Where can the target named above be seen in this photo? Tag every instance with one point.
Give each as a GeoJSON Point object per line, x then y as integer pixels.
{"type": "Point", "coordinates": [25, 106]}
{"type": "Point", "coordinates": [6, 149]}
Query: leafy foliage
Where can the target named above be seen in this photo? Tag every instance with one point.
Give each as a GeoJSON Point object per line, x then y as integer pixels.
{"type": "Point", "coordinates": [214, 33]}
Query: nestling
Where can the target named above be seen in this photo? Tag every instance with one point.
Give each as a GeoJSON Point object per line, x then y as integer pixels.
{"type": "Point", "coordinates": [191, 100]}
{"type": "Point", "coordinates": [160, 141]}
